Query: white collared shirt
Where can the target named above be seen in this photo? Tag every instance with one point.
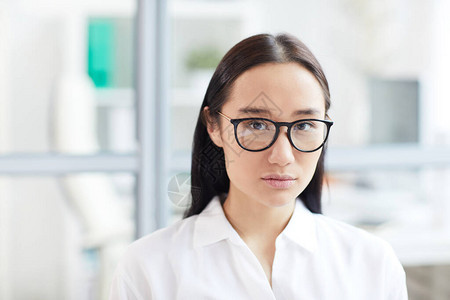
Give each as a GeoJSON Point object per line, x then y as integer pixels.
{"type": "Point", "coordinates": [203, 257]}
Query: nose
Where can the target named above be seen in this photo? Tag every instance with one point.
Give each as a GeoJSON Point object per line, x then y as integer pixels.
{"type": "Point", "coordinates": [281, 152]}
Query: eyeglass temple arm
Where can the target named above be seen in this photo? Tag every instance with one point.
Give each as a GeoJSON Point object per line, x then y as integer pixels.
{"type": "Point", "coordinates": [229, 119]}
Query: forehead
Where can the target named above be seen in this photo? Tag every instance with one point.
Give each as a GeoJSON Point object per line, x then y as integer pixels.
{"type": "Point", "coordinates": [276, 90]}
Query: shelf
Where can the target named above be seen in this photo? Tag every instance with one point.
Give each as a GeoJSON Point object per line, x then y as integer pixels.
{"type": "Point", "coordinates": [385, 157]}
{"type": "Point", "coordinates": [187, 97]}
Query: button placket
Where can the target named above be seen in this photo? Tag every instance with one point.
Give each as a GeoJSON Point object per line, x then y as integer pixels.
{"type": "Point", "coordinates": [264, 288]}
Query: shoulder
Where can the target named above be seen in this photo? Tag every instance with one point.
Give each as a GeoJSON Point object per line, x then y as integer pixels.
{"type": "Point", "coordinates": [328, 226]}
{"type": "Point", "coordinates": [366, 258]}
{"type": "Point", "coordinates": [154, 248]}
{"type": "Point", "coordinates": [145, 269]}
{"type": "Point", "coordinates": [351, 239]}
{"type": "Point", "coordinates": [358, 248]}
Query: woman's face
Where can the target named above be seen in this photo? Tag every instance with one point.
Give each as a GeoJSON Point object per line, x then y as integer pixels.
{"type": "Point", "coordinates": [281, 92]}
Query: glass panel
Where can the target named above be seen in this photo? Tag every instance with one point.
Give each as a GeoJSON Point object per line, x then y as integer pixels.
{"type": "Point", "coordinates": [61, 237]}
{"type": "Point", "coordinates": [66, 83]}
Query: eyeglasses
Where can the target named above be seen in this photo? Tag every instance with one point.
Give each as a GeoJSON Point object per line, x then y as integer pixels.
{"type": "Point", "coordinates": [258, 134]}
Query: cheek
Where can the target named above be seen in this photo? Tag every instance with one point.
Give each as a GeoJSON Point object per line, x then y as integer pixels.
{"type": "Point", "coordinates": [240, 163]}
{"type": "Point", "coordinates": [308, 163]}
{"type": "Point", "coordinates": [243, 167]}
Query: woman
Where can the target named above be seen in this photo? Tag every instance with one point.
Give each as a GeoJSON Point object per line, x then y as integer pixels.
{"type": "Point", "coordinates": [254, 229]}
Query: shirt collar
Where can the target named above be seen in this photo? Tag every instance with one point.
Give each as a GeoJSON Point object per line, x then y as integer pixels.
{"type": "Point", "coordinates": [212, 226]}
{"type": "Point", "coordinates": [301, 228]}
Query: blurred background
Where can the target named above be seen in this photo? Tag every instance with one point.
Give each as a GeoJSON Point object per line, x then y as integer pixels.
{"type": "Point", "coordinates": [99, 99]}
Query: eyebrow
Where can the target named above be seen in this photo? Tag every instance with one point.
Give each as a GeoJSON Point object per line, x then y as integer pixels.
{"type": "Point", "coordinates": [254, 110]}
{"type": "Point", "coordinates": [260, 111]}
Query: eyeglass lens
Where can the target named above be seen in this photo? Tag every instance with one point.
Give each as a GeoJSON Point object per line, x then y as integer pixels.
{"type": "Point", "coordinates": [258, 134]}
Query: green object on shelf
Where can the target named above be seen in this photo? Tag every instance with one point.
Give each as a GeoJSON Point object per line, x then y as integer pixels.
{"type": "Point", "coordinates": [100, 52]}
{"type": "Point", "coordinates": [207, 57]}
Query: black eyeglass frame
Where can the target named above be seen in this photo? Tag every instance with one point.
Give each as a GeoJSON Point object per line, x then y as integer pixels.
{"type": "Point", "coordinates": [289, 125]}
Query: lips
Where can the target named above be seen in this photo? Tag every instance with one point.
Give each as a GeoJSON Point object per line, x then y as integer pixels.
{"type": "Point", "coordinates": [278, 177]}
{"type": "Point", "coordinates": [279, 181]}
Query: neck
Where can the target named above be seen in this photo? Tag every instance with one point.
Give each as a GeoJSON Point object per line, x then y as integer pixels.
{"type": "Point", "coordinates": [255, 221]}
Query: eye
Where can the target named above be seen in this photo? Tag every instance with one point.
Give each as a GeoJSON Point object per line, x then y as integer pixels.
{"type": "Point", "coordinates": [304, 126]}
{"type": "Point", "coordinates": [257, 125]}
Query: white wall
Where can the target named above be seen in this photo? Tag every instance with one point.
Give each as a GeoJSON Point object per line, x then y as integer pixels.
{"type": "Point", "coordinates": [354, 39]}
{"type": "Point", "coordinates": [40, 228]}
{"type": "Point", "coordinates": [436, 108]}
{"type": "Point", "coordinates": [436, 78]}
{"type": "Point", "coordinates": [4, 147]}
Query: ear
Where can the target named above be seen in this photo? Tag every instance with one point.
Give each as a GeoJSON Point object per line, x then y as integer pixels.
{"type": "Point", "coordinates": [212, 128]}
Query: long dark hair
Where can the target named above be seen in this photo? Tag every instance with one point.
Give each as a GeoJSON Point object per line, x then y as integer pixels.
{"type": "Point", "coordinates": [208, 173]}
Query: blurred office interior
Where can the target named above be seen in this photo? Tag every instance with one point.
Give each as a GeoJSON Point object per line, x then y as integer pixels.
{"type": "Point", "coordinates": [99, 99]}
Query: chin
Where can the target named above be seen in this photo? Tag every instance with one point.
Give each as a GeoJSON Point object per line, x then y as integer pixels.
{"type": "Point", "coordinates": [279, 200]}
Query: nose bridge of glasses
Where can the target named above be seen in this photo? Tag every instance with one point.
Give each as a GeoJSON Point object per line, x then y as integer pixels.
{"type": "Point", "coordinates": [284, 133]}
{"type": "Point", "coordinates": [283, 124]}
